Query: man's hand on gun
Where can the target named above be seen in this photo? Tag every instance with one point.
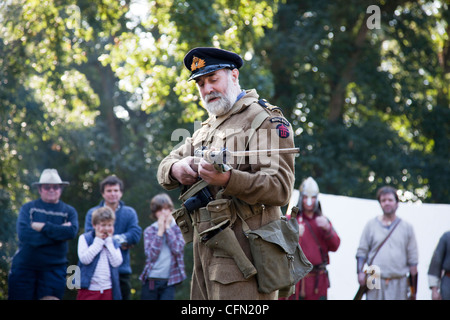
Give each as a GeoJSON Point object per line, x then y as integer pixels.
{"type": "Point", "coordinates": [208, 172]}
{"type": "Point", "coordinates": [189, 169]}
{"type": "Point", "coordinates": [183, 172]}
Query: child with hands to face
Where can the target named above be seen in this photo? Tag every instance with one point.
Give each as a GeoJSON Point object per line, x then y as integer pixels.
{"type": "Point", "coordinates": [100, 258]}
{"type": "Point", "coordinates": [165, 218]}
{"type": "Point", "coordinates": [164, 250]}
{"type": "Point", "coordinates": [104, 229]}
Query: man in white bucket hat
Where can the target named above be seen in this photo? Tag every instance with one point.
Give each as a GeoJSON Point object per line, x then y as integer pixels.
{"type": "Point", "coordinates": [50, 176]}
{"type": "Point", "coordinates": [43, 226]}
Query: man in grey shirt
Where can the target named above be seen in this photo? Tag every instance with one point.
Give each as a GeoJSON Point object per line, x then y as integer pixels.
{"type": "Point", "coordinates": [439, 270]}
{"type": "Point", "coordinates": [396, 257]}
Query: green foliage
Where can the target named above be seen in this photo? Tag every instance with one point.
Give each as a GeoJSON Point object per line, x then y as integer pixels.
{"type": "Point", "coordinates": [7, 240]}
{"type": "Point", "coordinates": [99, 87]}
{"type": "Point", "coordinates": [361, 98]}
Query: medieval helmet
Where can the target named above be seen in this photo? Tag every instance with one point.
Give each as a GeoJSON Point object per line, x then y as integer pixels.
{"type": "Point", "coordinates": [309, 188]}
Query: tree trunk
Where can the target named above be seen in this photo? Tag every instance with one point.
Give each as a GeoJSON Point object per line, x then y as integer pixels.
{"type": "Point", "coordinates": [107, 104]}
{"type": "Point", "coordinates": [338, 90]}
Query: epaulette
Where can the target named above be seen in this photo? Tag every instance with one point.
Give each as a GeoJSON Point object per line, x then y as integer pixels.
{"type": "Point", "coordinates": [267, 105]}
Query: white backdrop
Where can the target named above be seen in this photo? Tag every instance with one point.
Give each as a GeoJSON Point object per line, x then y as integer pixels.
{"type": "Point", "coordinates": [349, 216]}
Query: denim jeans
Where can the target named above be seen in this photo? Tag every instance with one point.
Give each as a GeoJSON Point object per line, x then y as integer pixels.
{"type": "Point", "coordinates": [157, 289]}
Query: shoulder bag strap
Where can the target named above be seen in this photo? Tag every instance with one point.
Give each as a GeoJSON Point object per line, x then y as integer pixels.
{"type": "Point", "coordinates": [256, 123]}
{"type": "Point", "coordinates": [316, 240]}
{"type": "Point", "coordinates": [384, 241]}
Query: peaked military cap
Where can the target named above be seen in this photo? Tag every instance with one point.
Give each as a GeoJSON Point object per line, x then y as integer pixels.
{"type": "Point", "coordinates": [203, 60]}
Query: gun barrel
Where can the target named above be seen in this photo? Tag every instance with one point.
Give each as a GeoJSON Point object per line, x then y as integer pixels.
{"type": "Point", "coordinates": [267, 152]}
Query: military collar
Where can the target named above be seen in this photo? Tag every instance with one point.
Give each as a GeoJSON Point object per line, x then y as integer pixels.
{"type": "Point", "coordinates": [241, 104]}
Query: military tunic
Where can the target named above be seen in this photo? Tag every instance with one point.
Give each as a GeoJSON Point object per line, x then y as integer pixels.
{"type": "Point", "coordinates": [264, 183]}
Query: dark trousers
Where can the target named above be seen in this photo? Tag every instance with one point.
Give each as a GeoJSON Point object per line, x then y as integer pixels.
{"type": "Point", "coordinates": [28, 284]}
{"type": "Point", "coordinates": [445, 288]}
{"type": "Point", "coordinates": [157, 289]}
{"type": "Point", "coordinates": [125, 286]}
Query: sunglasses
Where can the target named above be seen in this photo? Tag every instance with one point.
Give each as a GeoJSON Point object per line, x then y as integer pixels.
{"type": "Point", "coordinates": [48, 187]}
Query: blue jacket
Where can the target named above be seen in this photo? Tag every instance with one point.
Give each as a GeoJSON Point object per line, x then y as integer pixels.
{"type": "Point", "coordinates": [126, 224]}
{"type": "Point", "coordinates": [87, 270]}
{"type": "Point", "coordinates": [48, 248]}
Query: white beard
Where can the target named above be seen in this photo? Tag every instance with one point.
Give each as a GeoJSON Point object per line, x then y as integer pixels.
{"type": "Point", "coordinates": [225, 103]}
{"type": "Point", "coordinates": [218, 107]}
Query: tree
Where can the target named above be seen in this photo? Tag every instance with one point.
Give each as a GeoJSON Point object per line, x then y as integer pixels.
{"type": "Point", "coordinates": [361, 98]}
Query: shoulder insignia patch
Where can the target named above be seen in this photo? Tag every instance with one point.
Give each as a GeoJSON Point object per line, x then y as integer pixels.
{"type": "Point", "coordinates": [267, 105]}
{"type": "Point", "coordinates": [283, 131]}
{"type": "Point", "coordinates": [281, 120]}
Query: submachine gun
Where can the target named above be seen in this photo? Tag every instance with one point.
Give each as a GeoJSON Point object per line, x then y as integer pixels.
{"type": "Point", "coordinates": [220, 237]}
{"type": "Point", "coordinates": [218, 158]}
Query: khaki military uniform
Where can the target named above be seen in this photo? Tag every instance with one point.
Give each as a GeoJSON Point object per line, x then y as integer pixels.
{"type": "Point", "coordinates": [262, 183]}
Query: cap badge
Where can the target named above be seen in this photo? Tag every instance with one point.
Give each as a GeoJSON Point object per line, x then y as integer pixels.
{"type": "Point", "coordinates": [197, 63]}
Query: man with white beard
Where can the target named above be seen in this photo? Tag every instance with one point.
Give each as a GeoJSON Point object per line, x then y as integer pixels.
{"type": "Point", "coordinates": [217, 103]}
{"type": "Point", "coordinates": [253, 190]}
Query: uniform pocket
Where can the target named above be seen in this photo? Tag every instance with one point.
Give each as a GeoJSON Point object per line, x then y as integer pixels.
{"type": "Point", "coordinates": [220, 210]}
{"type": "Point", "coordinates": [225, 271]}
{"type": "Point", "coordinates": [184, 222]}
